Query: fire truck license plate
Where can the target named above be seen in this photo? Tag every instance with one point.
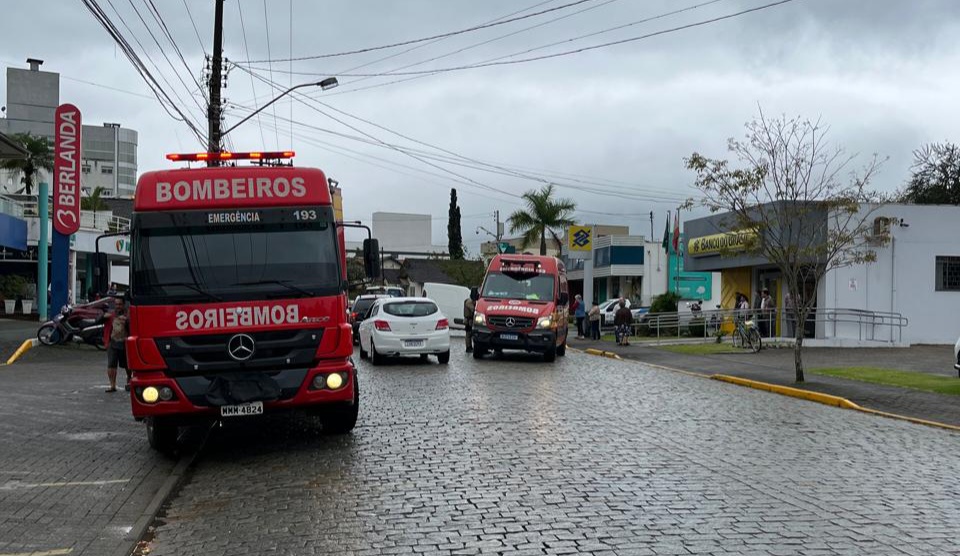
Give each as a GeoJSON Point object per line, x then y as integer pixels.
{"type": "Point", "coordinates": [241, 410]}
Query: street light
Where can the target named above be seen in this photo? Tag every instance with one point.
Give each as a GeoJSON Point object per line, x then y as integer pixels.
{"type": "Point", "coordinates": [325, 85]}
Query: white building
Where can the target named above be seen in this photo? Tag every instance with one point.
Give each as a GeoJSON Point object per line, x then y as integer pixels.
{"type": "Point", "coordinates": [403, 233]}
{"type": "Point", "coordinates": [916, 274]}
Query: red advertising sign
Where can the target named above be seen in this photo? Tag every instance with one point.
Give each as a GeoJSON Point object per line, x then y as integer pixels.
{"type": "Point", "coordinates": [66, 170]}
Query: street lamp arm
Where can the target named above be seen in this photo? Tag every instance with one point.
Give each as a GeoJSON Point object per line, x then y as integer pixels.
{"type": "Point", "coordinates": [328, 83]}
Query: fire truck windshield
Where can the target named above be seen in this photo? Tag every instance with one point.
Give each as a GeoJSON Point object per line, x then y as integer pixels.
{"type": "Point", "coordinates": [509, 286]}
{"type": "Point", "coordinates": [199, 256]}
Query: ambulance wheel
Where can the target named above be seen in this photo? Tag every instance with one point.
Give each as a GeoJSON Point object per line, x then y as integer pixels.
{"type": "Point", "coordinates": [551, 354]}
{"type": "Point", "coordinates": [342, 418]}
{"type": "Point", "coordinates": [479, 350]}
{"type": "Point", "coordinates": [161, 435]}
{"type": "Point", "coordinates": [562, 349]}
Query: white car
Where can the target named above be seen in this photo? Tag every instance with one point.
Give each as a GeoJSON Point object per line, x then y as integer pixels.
{"type": "Point", "coordinates": [405, 326]}
{"type": "Point", "coordinates": [956, 357]}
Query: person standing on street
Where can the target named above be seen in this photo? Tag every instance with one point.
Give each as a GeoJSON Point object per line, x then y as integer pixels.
{"type": "Point", "coordinates": [622, 320]}
{"type": "Point", "coordinates": [594, 317]}
{"type": "Point", "coordinates": [469, 310]}
{"type": "Point", "coordinates": [579, 313]}
{"type": "Point", "coordinates": [115, 334]}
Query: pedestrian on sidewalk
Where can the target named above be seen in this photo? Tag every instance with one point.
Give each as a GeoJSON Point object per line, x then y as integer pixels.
{"type": "Point", "coordinates": [579, 313]}
{"type": "Point", "coordinates": [594, 317]}
{"type": "Point", "coordinates": [622, 321]}
{"type": "Point", "coordinates": [469, 310]}
{"type": "Point", "coordinates": [115, 333]}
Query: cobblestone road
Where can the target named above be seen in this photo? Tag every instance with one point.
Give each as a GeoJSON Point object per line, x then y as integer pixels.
{"type": "Point", "coordinates": [586, 456]}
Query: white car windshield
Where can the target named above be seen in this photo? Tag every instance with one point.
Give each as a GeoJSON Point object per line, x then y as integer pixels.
{"type": "Point", "coordinates": [410, 308]}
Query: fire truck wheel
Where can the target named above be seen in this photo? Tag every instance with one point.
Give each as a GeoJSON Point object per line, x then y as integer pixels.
{"type": "Point", "coordinates": [562, 349]}
{"type": "Point", "coordinates": [551, 354]}
{"type": "Point", "coordinates": [375, 357]}
{"type": "Point", "coordinates": [342, 418]}
{"type": "Point", "coordinates": [479, 350]}
{"type": "Point", "coordinates": [443, 358]}
{"type": "Point", "coordinates": [161, 435]}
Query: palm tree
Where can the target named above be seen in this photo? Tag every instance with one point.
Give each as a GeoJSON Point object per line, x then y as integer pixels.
{"type": "Point", "coordinates": [40, 157]}
{"type": "Point", "coordinates": [543, 215]}
{"type": "Point", "coordinates": [94, 201]}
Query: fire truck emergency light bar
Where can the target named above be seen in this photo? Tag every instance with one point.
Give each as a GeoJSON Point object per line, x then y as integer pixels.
{"type": "Point", "coordinates": [190, 157]}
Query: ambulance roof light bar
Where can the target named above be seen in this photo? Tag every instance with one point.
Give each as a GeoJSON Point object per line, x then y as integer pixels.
{"type": "Point", "coordinates": [226, 155]}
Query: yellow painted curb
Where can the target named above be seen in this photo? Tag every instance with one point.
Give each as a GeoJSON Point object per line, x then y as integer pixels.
{"type": "Point", "coordinates": [601, 353]}
{"type": "Point", "coordinates": [24, 347]}
{"type": "Point", "coordinates": [828, 400]}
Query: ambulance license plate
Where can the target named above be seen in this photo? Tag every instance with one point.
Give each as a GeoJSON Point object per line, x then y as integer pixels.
{"type": "Point", "coordinates": [512, 337]}
{"type": "Point", "coordinates": [241, 410]}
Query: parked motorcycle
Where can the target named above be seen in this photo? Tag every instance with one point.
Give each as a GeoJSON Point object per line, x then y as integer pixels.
{"type": "Point", "coordinates": [79, 323]}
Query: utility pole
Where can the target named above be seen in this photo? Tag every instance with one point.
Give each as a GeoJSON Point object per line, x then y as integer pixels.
{"type": "Point", "coordinates": [216, 66]}
{"type": "Point", "coordinates": [651, 225]}
{"type": "Point", "coordinates": [499, 236]}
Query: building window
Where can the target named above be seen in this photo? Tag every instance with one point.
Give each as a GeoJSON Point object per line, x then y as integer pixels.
{"type": "Point", "coordinates": [86, 168]}
{"type": "Point", "coordinates": [106, 169]}
{"type": "Point", "coordinates": [948, 274]}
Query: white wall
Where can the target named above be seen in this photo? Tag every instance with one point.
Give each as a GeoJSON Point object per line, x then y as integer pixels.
{"type": "Point", "coordinates": [903, 278]}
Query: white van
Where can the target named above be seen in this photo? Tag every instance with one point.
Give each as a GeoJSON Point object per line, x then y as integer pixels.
{"type": "Point", "coordinates": [449, 298]}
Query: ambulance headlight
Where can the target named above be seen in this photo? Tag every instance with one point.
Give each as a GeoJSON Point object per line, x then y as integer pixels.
{"type": "Point", "coordinates": [479, 318]}
{"type": "Point", "coordinates": [545, 322]}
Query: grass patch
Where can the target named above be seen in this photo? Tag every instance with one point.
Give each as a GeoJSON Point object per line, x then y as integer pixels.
{"type": "Point", "coordinates": [711, 348]}
{"type": "Point", "coordinates": [940, 384]}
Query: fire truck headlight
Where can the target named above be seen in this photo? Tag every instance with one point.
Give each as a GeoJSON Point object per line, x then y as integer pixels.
{"type": "Point", "coordinates": [150, 394]}
{"type": "Point", "coordinates": [166, 393]}
{"type": "Point", "coordinates": [334, 381]}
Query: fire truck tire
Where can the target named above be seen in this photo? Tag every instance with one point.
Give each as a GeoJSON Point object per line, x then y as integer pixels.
{"type": "Point", "coordinates": [161, 435]}
{"type": "Point", "coordinates": [562, 349]}
{"type": "Point", "coordinates": [375, 357]}
{"type": "Point", "coordinates": [551, 354]}
{"type": "Point", "coordinates": [479, 350]}
{"type": "Point", "coordinates": [342, 418]}
{"type": "Point", "coordinates": [443, 358]}
{"type": "Point", "coordinates": [49, 335]}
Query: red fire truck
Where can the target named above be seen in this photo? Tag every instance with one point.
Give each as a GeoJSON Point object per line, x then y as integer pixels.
{"type": "Point", "coordinates": [238, 296]}
{"type": "Point", "coordinates": [522, 305]}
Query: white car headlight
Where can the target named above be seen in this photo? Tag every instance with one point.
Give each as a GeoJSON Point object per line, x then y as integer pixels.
{"type": "Point", "coordinates": [545, 322]}
{"type": "Point", "coordinates": [479, 318]}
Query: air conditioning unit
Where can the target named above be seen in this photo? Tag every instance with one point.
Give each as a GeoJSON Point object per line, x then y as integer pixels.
{"type": "Point", "coordinates": [881, 230]}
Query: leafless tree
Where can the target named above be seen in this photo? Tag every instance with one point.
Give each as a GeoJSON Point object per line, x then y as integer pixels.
{"type": "Point", "coordinates": [806, 210]}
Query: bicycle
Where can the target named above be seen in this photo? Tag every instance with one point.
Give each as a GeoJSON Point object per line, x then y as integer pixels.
{"type": "Point", "coordinates": [746, 335]}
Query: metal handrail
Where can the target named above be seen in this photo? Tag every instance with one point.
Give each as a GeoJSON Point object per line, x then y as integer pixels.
{"type": "Point", "coordinates": [839, 323]}
{"type": "Point", "coordinates": [100, 220]}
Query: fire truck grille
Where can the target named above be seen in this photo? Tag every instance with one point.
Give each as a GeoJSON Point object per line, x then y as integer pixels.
{"type": "Point", "coordinates": [505, 322]}
{"type": "Point", "coordinates": [268, 351]}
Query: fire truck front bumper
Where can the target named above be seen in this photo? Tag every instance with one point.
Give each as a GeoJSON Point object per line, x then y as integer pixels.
{"type": "Point", "coordinates": [196, 398]}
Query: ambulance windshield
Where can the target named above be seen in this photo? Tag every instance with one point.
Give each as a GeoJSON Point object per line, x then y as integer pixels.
{"type": "Point", "coordinates": [531, 287]}
{"type": "Point", "coordinates": [240, 256]}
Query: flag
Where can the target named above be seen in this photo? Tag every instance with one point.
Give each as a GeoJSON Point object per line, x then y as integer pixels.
{"type": "Point", "coordinates": [666, 234]}
{"type": "Point", "coordinates": [676, 233]}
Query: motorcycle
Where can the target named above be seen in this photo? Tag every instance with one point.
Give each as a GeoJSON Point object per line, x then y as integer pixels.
{"type": "Point", "coordinates": [80, 323]}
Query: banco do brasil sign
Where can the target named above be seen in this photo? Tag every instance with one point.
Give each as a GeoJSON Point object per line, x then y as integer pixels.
{"type": "Point", "coordinates": [719, 243]}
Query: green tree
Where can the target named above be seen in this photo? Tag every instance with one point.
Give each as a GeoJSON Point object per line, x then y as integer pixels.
{"type": "Point", "coordinates": [94, 201]}
{"type": "Point", "coordinates": [543, 216]}
{"type": "Point", "coordinates": [40, 157]}
{"type": "Point", "coordinates": [454, 236]}
{"type": "Point", "coordinates": [936, 176]}
{"type": "Point", "coordinates": [791, 194]}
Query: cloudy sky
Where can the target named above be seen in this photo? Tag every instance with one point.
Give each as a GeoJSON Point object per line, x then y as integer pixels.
{"type": "Point", "coordinates": [610, 125]}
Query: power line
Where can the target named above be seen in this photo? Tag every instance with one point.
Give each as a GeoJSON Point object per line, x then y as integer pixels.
{"type": "Point", "coordinates": [266, 24]}
{"type": "Point", "coordinates": [424, 39]}
{"type": "Point", "coordinates": [195, 30]}
{"type": "Point", "coordinates": [166, 31]}
{"type": "Point", "coordinates": [253, 87]}
{"type": "Point", "coordinates": [559, 54]}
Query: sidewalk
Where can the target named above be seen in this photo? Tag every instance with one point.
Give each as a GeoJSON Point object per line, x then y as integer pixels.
{"type": "Point", "coordinates": [775, 366]}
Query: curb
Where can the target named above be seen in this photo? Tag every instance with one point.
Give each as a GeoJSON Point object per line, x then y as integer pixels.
{"type": "Point", "coordinates": [163, 494]}
{"type": "Point", "coordinates": [24, 347]}
{"type": "Point", "coordinates": [827, 399]}
{"type": "Point", "coordinates": [601, 353]}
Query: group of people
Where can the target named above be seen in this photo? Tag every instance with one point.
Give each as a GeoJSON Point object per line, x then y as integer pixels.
{"type": "Point", "coordinates": [588, 322]}
{"type": "Point", "coordinates": [765, 311]}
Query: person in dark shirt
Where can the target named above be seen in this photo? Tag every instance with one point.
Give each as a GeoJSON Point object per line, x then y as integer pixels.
{"type": "Point", "coordinates": [622, 321]}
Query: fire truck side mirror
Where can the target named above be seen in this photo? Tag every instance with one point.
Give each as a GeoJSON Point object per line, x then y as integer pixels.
{"type": "Point", "coordinates": [101, 273]}
{"type": "Point", "coordinates": [371, 258]}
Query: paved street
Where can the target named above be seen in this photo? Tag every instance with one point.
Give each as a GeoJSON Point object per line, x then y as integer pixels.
{"type": "Point", "coordinates": [75, 472]}
{"type": "Point", "coordinates": [587, 456]}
